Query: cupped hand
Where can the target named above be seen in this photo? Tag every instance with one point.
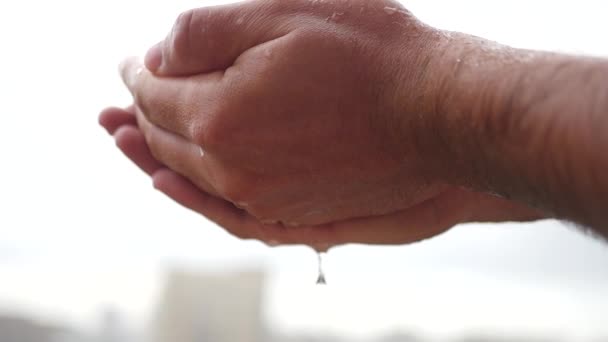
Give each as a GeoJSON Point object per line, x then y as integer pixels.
{"type": "Point", "coordinates": [277, 114]}
{"type": "Point", "coordinates": [420, 222]}
{"type": "Point", "coordinates": [294, 105]}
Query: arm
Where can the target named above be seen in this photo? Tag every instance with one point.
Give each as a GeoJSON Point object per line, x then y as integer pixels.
{"type": "Point", "coordinates": [529, 126]}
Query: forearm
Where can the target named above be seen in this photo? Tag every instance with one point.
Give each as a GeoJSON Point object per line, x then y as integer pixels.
{"type": "Point", "coordinates": [532, 126]}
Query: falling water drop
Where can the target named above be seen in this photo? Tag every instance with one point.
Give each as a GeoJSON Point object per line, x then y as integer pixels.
{"type": "Point", "coordinates": [321, 278]}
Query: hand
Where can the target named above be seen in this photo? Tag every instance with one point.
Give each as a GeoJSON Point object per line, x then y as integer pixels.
{"type": "Point", "coordinates": [296, 115]}
{"type": "Point", "coordinates": [423, 221]}
{"type": "Point", "coordinates": [294, 107]}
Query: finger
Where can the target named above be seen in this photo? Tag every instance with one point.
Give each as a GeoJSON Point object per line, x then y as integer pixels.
{"type": "Point", "coordinates": [209, 39]}
{"type": "Point", "coordinates": [418, 223]}
{"type": "Point", "coordinates": [131, 142]}
{"type": "Point", "coordinates": [177, 154]}
{"type": "Point", "coordinates": [175, 104]}
{"type": "Point", "coordinates": [415, 224]}
{"type": "Point", "coordinates": [236, 221]}
{"type": "Point", "coordinates": [223, 213]}
{"type": "Point", "coordinates": [430, 218]}
{"type": "Point", "coordinates": [112, 118]}
{"type": "Point", "coordinates": [423, 221]}
{"type": "Point", "coordinates": [490, 208]}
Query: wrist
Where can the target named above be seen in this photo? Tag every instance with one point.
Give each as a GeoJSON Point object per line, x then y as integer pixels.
{"type": "Point", "coordinates": [420, 126]}
{"type": "Point", "coordinates": [448, 108]}
{"type": "Point", "coordinates": [526, 125]}
{"type": "Point", "coordinates": [479, 111]}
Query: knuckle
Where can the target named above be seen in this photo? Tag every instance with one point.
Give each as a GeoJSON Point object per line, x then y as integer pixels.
{"type": "Point", "coordinates": [213, 131]}
{"type": "Point", "coordinates": [183, 33]}
{"type": "Point", "coordinates": [199, 136]}
{"type": "Point", "coordinates": [207, 134]}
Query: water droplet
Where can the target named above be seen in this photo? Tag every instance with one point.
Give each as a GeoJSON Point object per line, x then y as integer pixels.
{"type": "Point", "coordinates": [139, 71]}
{"type": "Point", "coordinates": [336, 16]}
{"type": "Point", "coordinates": [240, 21]}
{"type": "Point", "coordinates": [241, 205]}
{"type": "Point", "coordinates": [321, 278]}
{"type": "Point", "coordinates": [390, 10]}
{"type": "Point", "coordinates": [201, 151]}
{"type": "Point", "coordinates": [269, 222]}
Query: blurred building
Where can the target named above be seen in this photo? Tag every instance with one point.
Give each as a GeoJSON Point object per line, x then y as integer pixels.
{"type": "Point", "coordinates": [14, 329]}
{"type": "Point", "coordinates": [201, 307]}
{"type": "Point", "coordinates": [400, 337]}
{"type": "Point", "coordinates": [499, 338]}
{"type": "Point", "coordinates": [112, 327]}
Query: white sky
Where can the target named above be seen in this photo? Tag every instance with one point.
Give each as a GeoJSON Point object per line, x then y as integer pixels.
{"type": "Point", "coordinates": [81, 228]}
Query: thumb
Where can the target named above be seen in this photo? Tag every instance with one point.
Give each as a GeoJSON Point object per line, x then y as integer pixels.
{"type": "Point", "coordinates": [211, 38]}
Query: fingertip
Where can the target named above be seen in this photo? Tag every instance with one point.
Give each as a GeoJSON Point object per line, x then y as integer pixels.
{"type": "Point", "coordinates": [126, 136]}
{"type": "Point", "coordinates": [154, 57]}
{"type": "Point", "coordinates": [180, 190]}
{"type": "Point", "coordinates": [113, 118]}
{"type": "Point", "coordinates": [161, 178]}
{"type": "Point", "coordinates": [131, 142]}
{"type": "Point", "coordinates": [104, 121]}
{"type": "Point", "coordinates": [129, 69]}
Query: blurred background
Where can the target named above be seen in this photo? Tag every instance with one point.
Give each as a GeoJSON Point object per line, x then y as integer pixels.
{"type": "Point", "coordinates": [90, 252]}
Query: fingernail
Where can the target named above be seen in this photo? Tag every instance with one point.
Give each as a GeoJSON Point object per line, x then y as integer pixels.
{"type": "Point", "coordinates": [154, 57]}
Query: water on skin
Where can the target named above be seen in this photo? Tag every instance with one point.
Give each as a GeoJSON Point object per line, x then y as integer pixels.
{"type": "Point", "coordinates": [241, 205]}
{"type": "Point", "coordinates": [269, 222]}
{"type": "Point", "coordinates": [390, 10]}
{"type": "Point", "coordinates": [393, 10]}
{"type": "Point", "coordinates": [335, 17]}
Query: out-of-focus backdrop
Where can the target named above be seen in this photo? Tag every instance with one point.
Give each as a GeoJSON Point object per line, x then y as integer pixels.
{"type": "Point", "coordinates": [89, 252]}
